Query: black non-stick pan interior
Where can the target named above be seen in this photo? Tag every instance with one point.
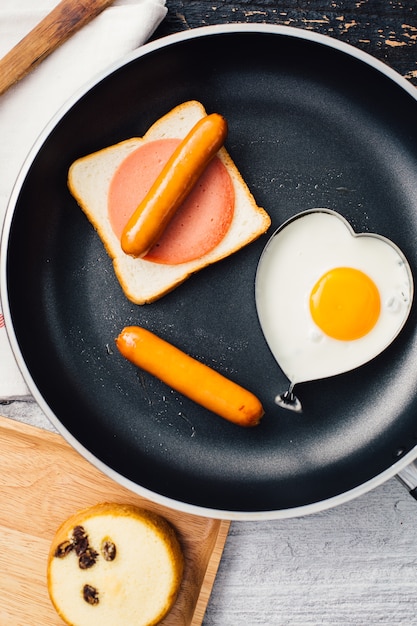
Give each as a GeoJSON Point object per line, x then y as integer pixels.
{"type": "Point", "coordinates": [309, 126]}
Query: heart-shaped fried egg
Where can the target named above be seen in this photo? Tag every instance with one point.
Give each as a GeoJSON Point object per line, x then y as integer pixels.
{"type": "Point", "coordinates": [328, 299]}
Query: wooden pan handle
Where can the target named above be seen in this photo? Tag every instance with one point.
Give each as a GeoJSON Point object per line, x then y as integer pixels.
{"type": "Point", "coordinates": [64, 20]}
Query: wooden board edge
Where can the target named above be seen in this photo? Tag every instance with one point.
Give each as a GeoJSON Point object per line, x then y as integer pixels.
{"type": "Point", "coordinates": [9, 423]}
{"type": "Point", "coordinates": [211, 572]}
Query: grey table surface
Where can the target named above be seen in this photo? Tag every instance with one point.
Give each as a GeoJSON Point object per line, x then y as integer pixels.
{"type": "Point", "coordinates": [355, 564]}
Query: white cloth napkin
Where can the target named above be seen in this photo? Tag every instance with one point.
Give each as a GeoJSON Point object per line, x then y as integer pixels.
{"type": "Point", "coordinates": [29, 105]}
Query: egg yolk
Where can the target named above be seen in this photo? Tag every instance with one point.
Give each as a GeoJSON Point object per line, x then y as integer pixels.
{"type": "Point", "coordinates": [345, 303]}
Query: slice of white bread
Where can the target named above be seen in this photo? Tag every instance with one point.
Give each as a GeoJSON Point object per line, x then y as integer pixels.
{"type": "Point", "coordinates": [114, 564]}
{"type": "Point", "coordinates": [144, 281]}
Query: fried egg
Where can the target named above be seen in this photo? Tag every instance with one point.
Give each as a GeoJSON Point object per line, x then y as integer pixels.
{"type": "Point", "coordinates": [329, 299]}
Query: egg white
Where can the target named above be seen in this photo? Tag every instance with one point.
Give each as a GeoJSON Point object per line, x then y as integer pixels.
{"type": "Point", "coordinates": [297, 255]}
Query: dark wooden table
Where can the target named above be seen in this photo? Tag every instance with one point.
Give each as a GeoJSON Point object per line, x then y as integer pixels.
{"type": "Point", "coordinates": [386, 29]}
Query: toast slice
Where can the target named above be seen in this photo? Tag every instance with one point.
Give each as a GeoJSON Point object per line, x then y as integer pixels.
{"type": "Point", "coordinates": [144, 281]}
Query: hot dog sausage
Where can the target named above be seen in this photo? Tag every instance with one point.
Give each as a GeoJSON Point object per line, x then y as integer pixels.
{"type": "Point", "coordinates": [174, 183]}
{"type": "Point", "coordinates": [189, 376]}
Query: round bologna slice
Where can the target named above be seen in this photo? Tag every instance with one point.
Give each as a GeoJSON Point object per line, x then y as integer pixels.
{"type": "Point", "coordinates": [200, 223]}
{"type": "Point", "coordinates": [114, 564]}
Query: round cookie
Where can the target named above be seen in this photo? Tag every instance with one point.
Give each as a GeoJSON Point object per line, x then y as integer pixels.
{"type": "Point", "coordinates": [114, 564]}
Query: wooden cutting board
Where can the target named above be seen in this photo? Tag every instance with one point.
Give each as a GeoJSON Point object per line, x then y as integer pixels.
{"type": "Point", "coordinates": [43, 481]}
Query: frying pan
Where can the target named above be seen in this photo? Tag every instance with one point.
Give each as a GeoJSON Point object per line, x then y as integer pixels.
{"type": "Point", "coordinates": [312, 123]}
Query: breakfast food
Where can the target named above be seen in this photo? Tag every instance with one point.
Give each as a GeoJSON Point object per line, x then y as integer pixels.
{"type": "Point", "coordinates": [218, 218]}
{"type": "Point", "coordinates": [347, 295]}
{"type": "Point", "coordinates": [175, 182]}
{"type": "Point", "coordinates": [114, 564]}
{"type": "Point", "coordinates": [189, 376]}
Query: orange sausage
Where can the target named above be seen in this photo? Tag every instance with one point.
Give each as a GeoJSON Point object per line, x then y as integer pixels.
{"type": "Point", "coordinates": [190, 377]}
{"type": "Point", "coordinates": [173, 184]}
